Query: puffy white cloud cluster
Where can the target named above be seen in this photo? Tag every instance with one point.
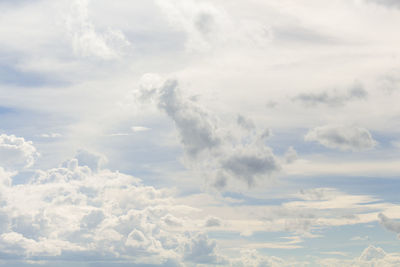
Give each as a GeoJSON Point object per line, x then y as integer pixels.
{"type": "Point", "coordinates": [209, 147]}
{"type": "Point", "coordinates": [342, 137]}
{"type": "Point", "coordinates": [77, 213]}
{"type": "Point", "coordinates": [16, 152]}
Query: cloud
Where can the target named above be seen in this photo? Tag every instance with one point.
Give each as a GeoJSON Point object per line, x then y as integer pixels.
{"type": "Point", "coordinates": [212, 222]}
{"type": "Point", "coordinates": [372, 253]}
{"type": "Point", "coordinates": [89, 42]}
{"type": "Point", "coordinates": [208, 26]}
{"type": "Point", "coordinates": [245, 123]}
{"type": "Point", "coordinates": [201, 250]}
{"type": "Point", "coordinates": [386, 3]}
{"type": "Point", "coordinates": [75, 213]}
{"type": "Point", "coordinates": [209, 147]}
{"type": "Point", "coordinates": [16, 153]}
{"type": "Point", "coordinates": [196, 130]}
{"type": "Point", "coordinates": [139, 128]}
{"type": "Point", "coordinates": [342, 137]}
{"type": "Point", "coordinates": [389, 224]}
{"type": "Point", "coordinates": [90, 159]}
{"type": "Point", "coordinates": [370, 256]}
{"type": "Point", "coordinates": [50, 135]}
{"type": "Point", "coordinates": [334, 98]}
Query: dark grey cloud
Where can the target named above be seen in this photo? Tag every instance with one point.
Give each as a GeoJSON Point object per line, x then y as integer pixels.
{"type": "Point", "coordinates": [332, 98]}
{"type": "Point", "coordinates": [342, 137]}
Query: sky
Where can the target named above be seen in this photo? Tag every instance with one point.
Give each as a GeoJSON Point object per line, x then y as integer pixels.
{"type": "Point", "coordinates": [199, 133]}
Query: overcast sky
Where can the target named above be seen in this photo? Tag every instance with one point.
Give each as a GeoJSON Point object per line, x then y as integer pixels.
{"type": "Point", "coordinates": [199, 133]}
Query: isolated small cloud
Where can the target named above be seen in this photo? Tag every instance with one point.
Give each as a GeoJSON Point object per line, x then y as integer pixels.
{"type": "Point", "coordinates": [332, 98]}
{"type": "Point", "coordinates": [342, 137]}
{"type": "Point", "coordinates": [139, 129]}
{"type": "Point", "coordinates": [50, 135]}
{"type": "Point", "coordinates": [16, 153]}
{"type": "Point", "coordinates": [372, 253]}
{"type": "Point", "coordinates": [212, 222]}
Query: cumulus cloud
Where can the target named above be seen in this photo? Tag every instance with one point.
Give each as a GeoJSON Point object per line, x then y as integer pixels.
{"type": "Point", "coordinates": [200, 249]}
{"type": "Point", "coordinates": [16, 153]}
{"type": "Point", "coordinates": [333, 98]}
{"type": "Point", "coordinates": [342, 137]}
{"type": "Point", "coordinates": [208, 145]}
{"type": "Point", "coordinates": [74, 212]}
{"type": "Point", "coordinates": [89, 42]}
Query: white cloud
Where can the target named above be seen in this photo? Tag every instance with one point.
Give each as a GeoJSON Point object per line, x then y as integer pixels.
{"type": "Point", "coordinates": [139, 128]}
{"type": "Point", "coordinates": [342, 137]}
{"type": "Point", "coordinates": [89, 42]}
{"type": "Point", "coordinates": [16, 153]}
{"type": "Point", "coordinates": [80, 210]}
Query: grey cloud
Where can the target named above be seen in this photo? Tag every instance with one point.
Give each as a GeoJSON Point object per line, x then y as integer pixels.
{"type": "Point", "coordinates": [342, 137]}
{"type": "Point", "coordinates": [390, 82]}
{"type": "Point", "coordinates": [333, 98]}
{"type": "Point", "coordinates": [291, 33]}
{"type": "Point", "coordinates": [245, 123]}
{"type": "Point", "coordinates": [217, 150]}
{"type": "Point", "coordinates": [200, 250]}
{"type": "Point", "coordinates": [248, 166]}
{"type": "Point", "coordinates": [212, 222]}
{"type": "Point", "coordinates": [389, 224]}
{"type": "Point", "coordinates": [291, 155]}
{"type": "Point", "coordinates": [387, 3]}
{"type": "Point", "coordinates": [196, 131]}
